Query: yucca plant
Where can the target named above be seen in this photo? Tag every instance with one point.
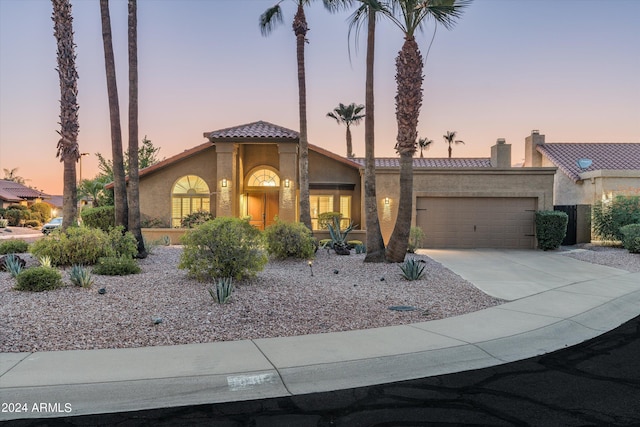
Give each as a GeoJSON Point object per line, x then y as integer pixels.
{"type": "Point", "coordinates": [81, 276]}
{"type": "Point", "coordinates": [412, 269]}
{"type": "Point", "coordinates": [45, 261]}
{"type": "Point", "coordinates": [222, 291]}
{"type": "Point", "coordinates": [13, 265]}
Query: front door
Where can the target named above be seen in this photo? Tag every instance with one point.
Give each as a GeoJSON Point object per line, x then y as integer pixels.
{"type": "Point", "coordinates": [262, 207]}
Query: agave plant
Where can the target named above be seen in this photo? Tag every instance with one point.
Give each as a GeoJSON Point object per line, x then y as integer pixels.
{"type": "Point", "coordinates": [339, 237]}
{"type": "Point", "coordinates": [13, 265]}
{"type": "Point", "coordinates": [412, 269]}
{"type": "Point", "coordinates": [222, 291]}
{"type": "Point", "coordinates": [80, 276]}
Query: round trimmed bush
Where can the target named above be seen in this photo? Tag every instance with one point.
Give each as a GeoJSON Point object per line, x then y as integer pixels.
{"type": "Point", "coordinates": [289, 240]}
{"type": "Point", "coordinates": [38, 279]}
{"type": "Point", "coordinates": [223, 247]}
{"type": "Point", "coordinates": [551, 228]}
{"type": "Point", "coordinates": [102, 217]}
{"type": "Point", "coordinates": [116, 266]}
{"type": "Point", "coordinates": [13, 246]}
{"type": "Point", "coordinates": [631, 237]}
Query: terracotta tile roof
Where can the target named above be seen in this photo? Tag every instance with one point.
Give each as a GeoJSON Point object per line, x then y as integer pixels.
{"type": "Point", "coordinates": [605, 156]}
{"type": "Point", "coordinates": [256, 130]}
{"type": "Point", "coordinates": [394, 162]}
{"type": "Point", "coordinates": [12, 191]}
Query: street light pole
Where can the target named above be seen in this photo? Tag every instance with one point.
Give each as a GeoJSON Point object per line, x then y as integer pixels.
{"type": "Point", "coordinates": [80, 177]}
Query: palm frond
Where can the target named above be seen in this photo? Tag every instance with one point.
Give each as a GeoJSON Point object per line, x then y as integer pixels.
{"type": "Point", "coordinates": [443, 12]}
{"type": "Point", "coordinates": [270, 19]}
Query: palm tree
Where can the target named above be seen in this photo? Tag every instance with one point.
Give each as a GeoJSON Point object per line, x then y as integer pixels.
{"type": "Point", "coordinates": [11, 175]}
{"type": "Point", "coordinates": [347, 114]}
{"type": "Point", "coordinates": [409, 16]}
{"type": "Point", "coordinates": [366, 12]}
{"type": "Point", "coordinates": [268, 21]}
{"type": "Point", "coordinates": [424, 144]}
{"type": "Point", "coordinates": [134, 178]}
{"type": "Point", "coordinates": [68, 149]}
{"type": "Point", "coordinates": [449, 138]}
{"type": "Point", "coordinates": [119, 184]}
{"type": "Point", "coordinates": [91, 189]}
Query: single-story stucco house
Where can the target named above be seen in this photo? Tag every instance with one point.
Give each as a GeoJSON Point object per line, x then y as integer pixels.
{"type": "Point", "coordinates": [586, 173]}
{"type": "Point", "coordinates": [251, 171]}
{"type": "Point", "coordinates": [13, 193]}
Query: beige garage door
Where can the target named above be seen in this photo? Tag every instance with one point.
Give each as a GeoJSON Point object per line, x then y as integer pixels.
{"type": "Point", "coordinates": [476, 222]}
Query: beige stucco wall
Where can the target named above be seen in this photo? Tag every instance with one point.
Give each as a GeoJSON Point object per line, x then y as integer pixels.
{"type": "Point", "coordinates": [467, 182]}
{"type": "Point", "coordinates": [156, 187]}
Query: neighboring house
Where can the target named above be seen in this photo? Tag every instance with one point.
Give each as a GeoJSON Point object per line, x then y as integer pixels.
{"type": "Point", "coordinates": [12, 193]}
{"type": "Point", "coordinates": [587, 173]}
{"type": "Point", "coordinates": [252, 171]}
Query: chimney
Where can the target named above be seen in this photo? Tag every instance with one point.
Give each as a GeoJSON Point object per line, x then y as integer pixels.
{"type": "Point", "coordinates": [501, 154]}
{"type": "Point", "coordinates": [532, 158]}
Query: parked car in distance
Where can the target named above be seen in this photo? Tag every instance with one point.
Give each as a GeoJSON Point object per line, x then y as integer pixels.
{"type": "Point", "coordinates": [52, 225]}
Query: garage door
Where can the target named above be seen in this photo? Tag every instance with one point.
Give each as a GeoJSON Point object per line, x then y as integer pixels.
{"type": "Point", "coordinates": [476, 222]}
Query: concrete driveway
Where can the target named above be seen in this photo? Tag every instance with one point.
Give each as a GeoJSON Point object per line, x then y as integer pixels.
{"type": "Point", "coordinates": [511, 274]}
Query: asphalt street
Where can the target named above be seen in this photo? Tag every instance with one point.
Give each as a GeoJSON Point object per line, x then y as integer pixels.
{"type": "Point", "coordinates": [595, 383]}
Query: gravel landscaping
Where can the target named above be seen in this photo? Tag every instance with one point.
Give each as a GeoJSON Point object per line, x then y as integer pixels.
{"type": "Point", "coordinates": [284, 299]}
{"type": "Point", "coordinates": [162, 306]}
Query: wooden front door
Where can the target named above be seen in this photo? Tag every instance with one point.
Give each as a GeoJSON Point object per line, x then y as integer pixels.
{"type": "Point", "coordinates": [262, 207]}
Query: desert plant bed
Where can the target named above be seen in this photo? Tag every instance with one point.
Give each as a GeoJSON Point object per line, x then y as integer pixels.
{"type": "Point", "coordinates": [284, 299]}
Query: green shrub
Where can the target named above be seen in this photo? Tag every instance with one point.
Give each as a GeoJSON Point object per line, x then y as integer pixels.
{"type": "Point", "coordinates": [194, 219]}
{"type": "Point", "coordinates": [4, 222]}
{"type": "Point", "coordinates": [116, 266]}
{"type": "Point", "coordinates": [80, 276]}
{"type": "Point", "coordinates": [102, 217]}
{"type": "Point", "coordinates": [42, 209]}
{"type": "Point", "coordinates": [32, 223]}
{"type": "Point", "coordinates": [631, 237]}
{"type": "Point", "coordinates": [415, 239]}
{"type": "Point", "coordinates": [84, 245]}
{"type": "Point", "coordinates": [289, 240]}
{"type": "Point", "coordinates": [412, 269]}
{"type": "Point", "coordinates": [121, 243]}
{"type": "Point", "coordinates": [13, 246]}
{"type": "Point", "coordinates": [38, 279]}
{"type": "Point", "coordinates": [222, 291]}
{"type": "Point", "coordinates": [15, 214]}
{"type": "Point", "coordinates": [608, 217]}
{"type": "Point", "coordinates": [224, 247]}
{"type": "Point", "coordinates": [551, 228]}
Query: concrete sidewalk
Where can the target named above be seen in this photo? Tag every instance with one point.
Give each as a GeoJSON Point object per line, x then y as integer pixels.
{"type": "Point", "coordinates": [556, 302]}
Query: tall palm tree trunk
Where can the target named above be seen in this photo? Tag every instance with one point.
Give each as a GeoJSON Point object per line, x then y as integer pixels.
{"type": "Point", "coordinates": [449, 150]}
{"type": "Point", "coordinates": [134, 178]}
{"type": "Point", "coordinates": [408, 102]}
{"type": "Point", "coordinates": [300, 30]}
{"type": "Point", "coordinates": [349, 143]}
{"type": "Point", "coordinates": [375, 243]}
{"type": "Point", "coordinates": [119, 184]}
{"type": "Point", "coordinates": [68, 150]}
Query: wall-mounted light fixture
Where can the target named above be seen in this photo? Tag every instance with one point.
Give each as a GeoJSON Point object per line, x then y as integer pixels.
{"type": "Point", "coordinates": [224, 182]}
{"type": "Point", "coordinates": [287, 183]}
{"type": "Point", "coordinates": [386, 200]}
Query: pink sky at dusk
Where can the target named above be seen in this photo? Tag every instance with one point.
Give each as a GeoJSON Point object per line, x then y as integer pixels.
{"type": "Point", "coordinates": [569, 68]}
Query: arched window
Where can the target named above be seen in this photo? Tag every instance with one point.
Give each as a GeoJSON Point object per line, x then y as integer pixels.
{"type": "Point", "coordinates": [189, 194]}
{"type": "Point", "coordinates": [263, 178]}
